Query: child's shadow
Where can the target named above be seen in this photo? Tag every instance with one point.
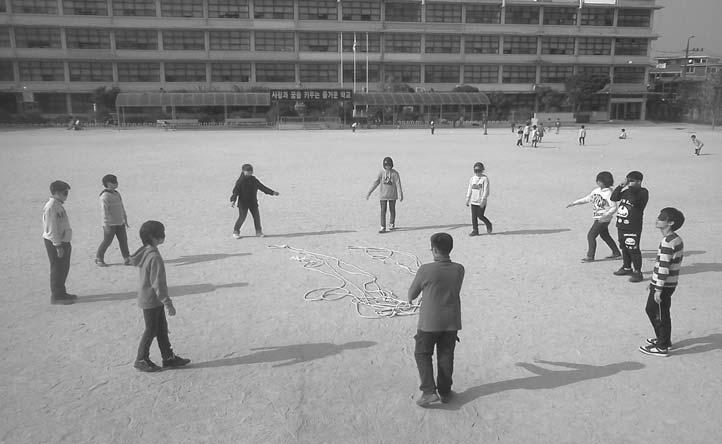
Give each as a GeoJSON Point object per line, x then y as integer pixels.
{"type": "Point", "coordinates": [652, 254]}
{"type": "Point", "coordinates": [194, 259]}
{"type": "Point", "coordinates": [701, 345]}
{"type": "Point", "coordinates": [175, 291]}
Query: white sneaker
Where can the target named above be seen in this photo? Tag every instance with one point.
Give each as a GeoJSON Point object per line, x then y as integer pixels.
{"type": "Point", "coordinates": [236, 235]}
{"type": "Point", "coordinates": [382, 230]}
{"type": "Point", "coordinates": [391, 227]}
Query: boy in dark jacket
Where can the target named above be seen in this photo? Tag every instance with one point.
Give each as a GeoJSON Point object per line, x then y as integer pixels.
{"type": "Point", "coordinates": [632, 198]}
{"type": "Point", "coordinates": [245, 194]}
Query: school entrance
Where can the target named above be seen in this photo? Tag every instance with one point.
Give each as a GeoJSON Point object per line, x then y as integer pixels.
{"type": "Point", "coordinates": [626, 109]}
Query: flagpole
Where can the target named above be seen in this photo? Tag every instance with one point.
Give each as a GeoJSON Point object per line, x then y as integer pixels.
{"type": "Point", "coordinates": [367, 62]}
{"type": "Point", "coordinates": [354, 62]}
{"type": "Point", "coordinates": [341, 56]}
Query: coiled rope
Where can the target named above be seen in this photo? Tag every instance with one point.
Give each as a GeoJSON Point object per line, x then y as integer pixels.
{"type": "Point", "coordinates": [371, 300]}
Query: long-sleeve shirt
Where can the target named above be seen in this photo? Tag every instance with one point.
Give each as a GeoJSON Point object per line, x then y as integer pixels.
{"type": "Point", "coordinates": [583, 132]}
{"type": "Point", "coordinates": [602, 205]}
{"type": "Point", "coordinates": [478, 190]}
{"type": "Point", "coordinates": [390, 185]}
{"type": "Point", "coordinates": [246, 190]}
{"type": "Point", "coordinates": [632, 202]}
{"type": "Point", "coordinates": [669, 262]}
{"type": "Point", "coordinates": [56, 225]}
{"type": "Point", "coordinates": [440, 282]}
{"type": "Point", "coordinates": [113, 210]}
{"type": "Point", "coordinates": [697, 143]}
{"type": "Point", "coordinates": [153, 289]}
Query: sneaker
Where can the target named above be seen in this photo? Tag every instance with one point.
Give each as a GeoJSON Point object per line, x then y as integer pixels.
{"type": "Point", "coordinates": [654, 350]}
{"type": "Point", "coordinates": [391, 227]}
{"type": "Point", "coordinates": [260, 234]}
{"type": "Point", "coordinates": [623, 272]}
{"type": "Point", "coordinates": [587, 259]}
{"type": "Point", "coordinates": [654, 341]}
{"type": "Point", "coordinates": [236, 235]}
{"type": "Point", "coordinates": [100, 262]}
{"type": "Point", "coordinates": [382, 230]}
{"type": "Point", "coordinates": [614, 256]}
{"type": "Point", "coordinates": [446, 397]}
{"type": "Point", "coordinates": [636, 277]}
{"type": "Point", "coordinates": [175, 361]}
{"type": "Point", "coordinates": [146, 365]}
{"type": "Point", "coordinates": [71, 296]}
{"type": "Point", "coordinates": [474, 233]}
{"type": "Point", "coordinates": [489, 230]}
{"type": "Point", "coordinates": [426, 399]}
{"type": "Point", "coordinates": [62, 300]}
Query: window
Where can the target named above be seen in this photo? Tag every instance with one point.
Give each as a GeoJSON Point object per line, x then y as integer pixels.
{"type": "Point", "coordinates": [410, 43]}
{"type": "Point", "coordinates": [91, 71]}
{"type": "Point", "coordinates": [558, 45]}
{"type": "Point", "coordinates": [136, 39]}
{"type": "Point", "coordinates": [443, 12]}
{"type": "Point", "coordinates": [560, 16]}
{"type": "Point", "coordinates": [443, 43]}
{"type": "Point", "coordinates": [87, 38]}
{"type": "Point", "coordinates": [35, 6]}
{"type": "Point", "coordinates": [275, 72]}
{"type": "Point", "coordinates": [184, 40]}
{"type": "Point", "coordinates": [629, 74]}
{"type": "Point", "coordinates": [37, 37]}
{"type": "Point", "coordinates": [4, 37]}
{"type": "Point", "coordinates": [52, 103]}
{"type": "Point", "coordinates": [374, 42]}
{"type": "Point", "coordinates": [181, 8]}
{"type": "Point", "coordinates": [42, 71]}
{"type": "Point", "coordinates": [442, 74]}
{"type": "Point", "coordinates": [634, 18]}
{"type": "Point", "coordinates": [595, 46]}
{"type": "Point", "coordinates": [318, 10]}
{"type": "Point", "coordinates": [3, 8]}
{"type": "Point", "coordinates": [318, 41]}
{"type": "Point", "coordinates": [481, 44]}
{"type": "Point", "coordinates": [403, 12]}
{"type": "Point", "coordinates": [185, 72]}
{"type": "Point", "coordinates": [593, 70]}
{"type": "Point", "coordinates": [319, 72]}
{"type": "Point", "coordinates": [522, 15]}
{"type": "Point", "coordinates": [228, 9]}
{"type": "Point", "coordinates": [138, 72]}
{"type": "Point", "coordinates": [631, 47]}
{"type": "Point", "coordinates": [140, 8]}
{"type": "Point", "coordinates": [519, 45]}
{"type": "Point", "coordinates": [238, 40]}
{"type": "Point", "coordinates": [597, 17]}
{"type": "Point", "coordinates": [361, 11]}
{"type": "Point", "coordinates": [402, 73]}
{"type": "Point", "coordinates": [230, 72]}
{"type": "Point", "coordinates": [481, 74]}
{"type": "Point", "coordinates": [81, 103]}
{"type": "Point", "coordinates": [273, 9]}
{"type": "Point", "coordinates": [483, 14]}
{"type": "Point", "coordinates": [374, 72]}
{"type": "Point", "coordinates": [85, 7]}
{"type": "Point", "coordinates": [275, 41]}
{"type": "Point", "coordinates": [7, 73]}
{"type": "Point", "coordinates": [518, 74]}
{"type": "Point", "coordinates": [556, 73]}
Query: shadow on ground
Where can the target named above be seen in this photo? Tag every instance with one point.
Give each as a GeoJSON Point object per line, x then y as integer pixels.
{"type": "Point", "coordinates": [697, 345]}
{"type": "Point", "coordinates": [652, 254]}
{"type": "Point", "coordinates": [433, 227]}
{"type": "Point", "coordinates": [710, 267]}
{"type": "Point", "coordinates": [188, 260]}
{"type": "Point", "coordinates": [310, 233]}
{"type": "Point", "coordinates": [523, 232]}
{"type": "Point", "coordinates": [179, 290]}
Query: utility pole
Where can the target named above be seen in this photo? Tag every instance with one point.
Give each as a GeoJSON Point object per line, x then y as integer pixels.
{"type": "Point", "coordinates": [686, 58]}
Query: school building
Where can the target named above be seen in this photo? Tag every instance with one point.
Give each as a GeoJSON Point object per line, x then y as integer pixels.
{"type": "Point", "coordinates": [53, 53]}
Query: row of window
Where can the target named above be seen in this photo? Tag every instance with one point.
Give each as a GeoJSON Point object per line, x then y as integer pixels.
{"type": "Point", "coordinates": [357, 10]}
{"type": "Point", "coordinates": [308, 72]}
{"type": "Point", "coordinates": [140, 39]}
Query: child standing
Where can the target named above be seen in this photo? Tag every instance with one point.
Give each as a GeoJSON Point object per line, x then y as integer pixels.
{"type": "Point", "coordinates": [520, 137]}
{"type": "Point", "coordinates": [698, 144]}
{"type": "Point", "coordinates": [527, 130]}
{"type": "Point", "coordinates": [152, 298]}
{"type": "Point", "coordinates": [582, 135]}
{"type": "Point", "coordinates": [558, 124]}
{"type": "Point", "coordinates": [534, 136]}
{"type": "Point", "coordinates": [57, 235]}
{"type": "Point", "coordinates": [390, 190]}
{"type": "Point", "coordinates": [476, 195]}
{"type": "Point", "coordinates": [439, 319]}
{"type": "Point", "coordinates": [245, 193]}
{"type": "Point", "coordinates": [603, 209]}
{"type": "Point", "coordinates": [632, 198]}
{"type": "Point", "coordinates": [115, 221]}
{"type": "Point", "coordinates": [664, 281]}
{"type": "Point", "coordinates": [433, 126]}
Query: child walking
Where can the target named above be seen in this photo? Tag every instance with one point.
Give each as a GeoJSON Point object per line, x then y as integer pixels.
{"type": "Point", "coordinates": [698, 144]}
{"type": "Point", "coordinates": [603, 209]}
{"type": "Point", "coordinates": [520, 137]}
{"type": "Point", "coordinates": [245, 194]}
{"type": "Point", "coordinates": [390, 190]}
{"type": "Point", "coordinates": [534, 136]}
{"type": "Point", "coordinates": [582, 135]}
{"type": "Point", "coordinates": [57, 235]}
{"type": "Point", "coordinates": [664, 281]}
{"type": "Point", "coordinates": [527, 130]}
{"type": "Point", "coordinates": [632, 198]}
{"type": "Point", "coordinates": [115, 221]}
{"type": "Point", "coordinates": [477, 194]}
{"type": "Point", "coordinates": [152, 298]}
{"type": "Point", "coordinates": [439, 319]}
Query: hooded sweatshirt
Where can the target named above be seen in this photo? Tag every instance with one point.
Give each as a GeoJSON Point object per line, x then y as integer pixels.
{"type": "Point", "coordinates": [153, 289]}
{"type": "Point", "coordinates": [112, 206]}
{"type": "Point", "coordinates": [246, 191]}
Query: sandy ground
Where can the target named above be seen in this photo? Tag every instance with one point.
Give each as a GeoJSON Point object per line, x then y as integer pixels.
{"type": "Point", "coordinates": [548, 352]}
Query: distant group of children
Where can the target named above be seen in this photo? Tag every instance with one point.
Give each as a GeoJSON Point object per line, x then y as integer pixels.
{"type": "Point", "coordinates": [535, 132]}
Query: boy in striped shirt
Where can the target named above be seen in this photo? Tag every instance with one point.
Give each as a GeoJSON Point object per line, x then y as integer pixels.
{"type": "Point", "coordinates": [664, 281]}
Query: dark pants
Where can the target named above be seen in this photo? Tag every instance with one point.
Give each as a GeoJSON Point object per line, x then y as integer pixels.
{"type": "Point", "coordinates": [581, 140]}
{"type": "Point", "coordinates": [432, 130]}
{"type": "Point", "coordinates": [445, 343]}
{"type": "Point", "coordinates": [243, 212]}
{"type": "Point", "coordinates": [59, 268]}
{"type": "Point", "coordinates": [109, 232]}
{"type": "Point", "coordinates": [392, 212]}
{"type": "Point", "coordinates": [659, 316]}
{"type": "Point", "coordinates": [526, 138]}
{"type": "Point", "coordinates": [156, 326]}
{"type": "Point", "coordinates": [631, 254]}
{"type": "Point", "coordinates": [600, 229]}
{"type": "Point", "coordinates": [477, 213]}
{"type": "Point", "coordinates": [519, 142]}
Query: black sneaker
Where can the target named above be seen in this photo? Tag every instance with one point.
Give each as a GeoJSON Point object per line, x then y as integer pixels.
{"type": "Point", "coordinates": [474, 233]}
{"type": "Point", "coordinates": [653, 350]}
{"type": "Point", "coordinates": [426, 399]}
{"type": "Point", "coordinates": [127, 261]}
{"type": "Point", "coordinates": [62, 300]}
{"type": "Point", "coordinates": [100, 262]}
{"type": "Point", "coordinates": [587, 259]}
{"type": "Point", "coordinates": [654, 341]}
{"type": "Point", "coordinates": [614, 256]}
{"type": "Point", "coordinates": [175, 361]}
{"type": "Point", "coordinates": [623, 272]}
{"type": "Point", "coordinates": [489, 229]}
{"type": "Point", "coordinates": [636, 277]}
{"type": "Point", "coordinates": [146, 365]}
{"type": "Point", "coordinates": [446, 397]}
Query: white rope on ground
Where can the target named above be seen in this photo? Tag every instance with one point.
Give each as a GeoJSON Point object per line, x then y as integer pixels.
{"type": "Point", "coordinates": [384, 254]}
{"type": "Point", "coordinates": [371, 300]}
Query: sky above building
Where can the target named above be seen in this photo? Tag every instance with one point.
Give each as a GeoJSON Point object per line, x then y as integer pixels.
{"type": "Point", "coordinates": [681, 18]}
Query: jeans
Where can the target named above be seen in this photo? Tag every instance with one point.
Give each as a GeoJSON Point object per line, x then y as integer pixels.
{"type": "Point", "coordinates": [445, 343]}
{"type": "Point", "coordinates": [659, 316]}
{"type": "Point", "coordinates": [392, 212]}
{"type": "Point", "coordinates": [109, 232]}
{"type": "Point", "coordinates": [156, 326]}
{"type": "Point", "coordinates": [631, 254]}
{"type": "Point", "coordinates": [581, 140]}
{"type": "Point", "coordinates": [600, 229]}
{"type": "Point", "coordinates": [243, 212]}
{"type": "Point", "coordinates": [59, 268]}
{"type": "Point", "coordinates": [477, 213]}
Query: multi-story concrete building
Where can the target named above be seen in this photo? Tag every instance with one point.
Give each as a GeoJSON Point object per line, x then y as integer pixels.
{"type": "Point", "coordinates": [57, 51]}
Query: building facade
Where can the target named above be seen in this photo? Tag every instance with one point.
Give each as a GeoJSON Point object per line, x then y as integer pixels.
{"type": "Point", "coordinates": [55, 52]}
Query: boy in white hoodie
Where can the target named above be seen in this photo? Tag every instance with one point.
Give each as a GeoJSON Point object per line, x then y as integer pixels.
{"type": "Point", "coordinates": [476, 195]}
